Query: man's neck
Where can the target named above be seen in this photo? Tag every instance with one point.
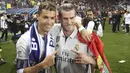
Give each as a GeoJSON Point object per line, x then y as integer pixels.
{"type": "Point", "coordinates": [67, 33]}
{"type": "Point", "coordinates": [42, 32]}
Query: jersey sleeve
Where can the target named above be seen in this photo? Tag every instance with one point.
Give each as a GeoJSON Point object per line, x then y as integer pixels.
{"type": "Point", "coordinates": [22, 54]}
{"type": "Point", "coordinates": [90, 26]}
{"type": "Point", "coordinates": [100, 31]}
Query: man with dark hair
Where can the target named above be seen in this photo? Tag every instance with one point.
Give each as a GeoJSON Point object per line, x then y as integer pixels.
{"type": "Point", "coordinates": [67, 40]}
{"type": "Point", "coordinates": [127, 21]}
{"type": "Point", "coordinates": [34, 53]}
{"type": "Point", "coordinates": [4, 27]}
{"type": "Point", "coordinates": [91, 24]}
{"type": "Point", "coordinates": [116, 17]}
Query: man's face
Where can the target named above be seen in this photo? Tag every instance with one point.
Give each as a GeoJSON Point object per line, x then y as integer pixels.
{"type": "Point", "coordinates": [4, 15]}
{"type": "Point", "coordinates": [68, 19]}
{"type": "Point", "coordinates": [46, 20]}
{"type": "Point", "coordinates": [90, 14]}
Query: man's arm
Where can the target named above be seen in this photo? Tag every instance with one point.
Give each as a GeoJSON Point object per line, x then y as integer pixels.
{"type": "Point", "coordinates": [47, 62]}
{"type": "Point", "coordinates": [90, 26]}
{"type": "Point", "coordinates": [34, 69]}
{"type": "Point", "coordinates": [24, 68]}
{"type": "Point", "coordinates": [86, 34]}
{"type": "Point", "coordinates": [100, 31]}
{"type": "Point", "coordinates": [83, 58]}
{"type": "Point", "coordinates": [22, 58]}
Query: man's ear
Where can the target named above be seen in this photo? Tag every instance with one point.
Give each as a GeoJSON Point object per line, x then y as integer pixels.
{"type": "Point", "coordinates": [60, 17]}
{"type": "Point", "coordinates": [59, 14]}
{"type": "Point", "coordinates": [37, 16]}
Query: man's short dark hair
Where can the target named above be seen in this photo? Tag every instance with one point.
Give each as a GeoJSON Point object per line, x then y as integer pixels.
{"type": "Point", "coordinates": [89, 9]}
{"type": "Point", "coordinates": [47, 6]}
{"type": "Point", "coordinates": [66, 1]}
{"type": "Point", "coordinates": [66, 7]}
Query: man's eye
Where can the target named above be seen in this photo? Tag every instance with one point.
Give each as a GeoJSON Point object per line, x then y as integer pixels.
{"type": "Point", "coordinates": [65, 18]}
{"type": "Point", "coordinates": [90, 14]}
{"type": "Point", "coordinates": [52, 17]}
{"type": "Point", "coordinates": [45, 17]}
{"type": "Point", "coordinates": [71, 17]}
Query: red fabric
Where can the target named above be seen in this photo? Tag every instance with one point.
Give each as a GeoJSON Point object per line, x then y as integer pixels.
{"type": "Point", "coordinates": [96, 46]}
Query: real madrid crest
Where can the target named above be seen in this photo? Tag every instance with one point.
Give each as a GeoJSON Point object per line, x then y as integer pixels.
{"type": "Point", "coordinates": [76, 47]}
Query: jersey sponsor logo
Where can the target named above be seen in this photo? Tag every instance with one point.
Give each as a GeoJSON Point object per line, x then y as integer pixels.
{"type": "Point", "coordinates": [65, 56]}
{"type": "Point", "coordinates": [70, 60]}
{"type": "Point", "coordinates": [65, 53]}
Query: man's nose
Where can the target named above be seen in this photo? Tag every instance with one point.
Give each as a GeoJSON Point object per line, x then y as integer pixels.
{"type": "Point", "coordinates": [49, 20]}
{"type": "Point", "coordinates": [69, 21]}
{"type": "Point", "coordinates": [89, 15]}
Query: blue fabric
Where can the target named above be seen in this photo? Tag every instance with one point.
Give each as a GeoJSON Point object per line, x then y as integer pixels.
{"type": "Point", "coordinates": [23, 10]}
{"type": "Point", "coordinates": [21, 63]}
{"type": "Point", "coordinates": [34, 56]}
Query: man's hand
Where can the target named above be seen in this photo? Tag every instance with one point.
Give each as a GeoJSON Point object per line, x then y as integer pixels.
{"type": "Point", "coordinates": [83, 58]}
{"type": "Point", "coordinates": [78, 20]}
{"type": "Point", "coordinates": [86, 34]}
{"type": "Point", "coordinates": [49, 60]}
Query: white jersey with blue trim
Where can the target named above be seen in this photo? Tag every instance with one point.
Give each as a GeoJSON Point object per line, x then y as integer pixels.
{"type": "Point", "coordinates": [23, 49]}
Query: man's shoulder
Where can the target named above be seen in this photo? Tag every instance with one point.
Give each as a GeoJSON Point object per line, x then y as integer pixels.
{"type": "Point", "coordinates": [129, 14]}
{"type": "Point", "coordinates": [55, 29]}
{"type": "Point", "coordinates": [2, 17]}
{"type": "Point", "coordinates": [91, 22]}
{"type": "Point", "coordinates": [24, 39]}
{"type": "Point", "coordinates": [26, 35]}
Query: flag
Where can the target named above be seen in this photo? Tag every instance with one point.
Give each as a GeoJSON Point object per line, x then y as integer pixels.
{"type": "Point", "coordinates": [97, 48]}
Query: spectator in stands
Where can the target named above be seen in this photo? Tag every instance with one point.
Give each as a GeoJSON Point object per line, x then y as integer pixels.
{"type": "Point", "coordinates": [91, 24]}
{"type": "Point", "coordinates": [4, 27]}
